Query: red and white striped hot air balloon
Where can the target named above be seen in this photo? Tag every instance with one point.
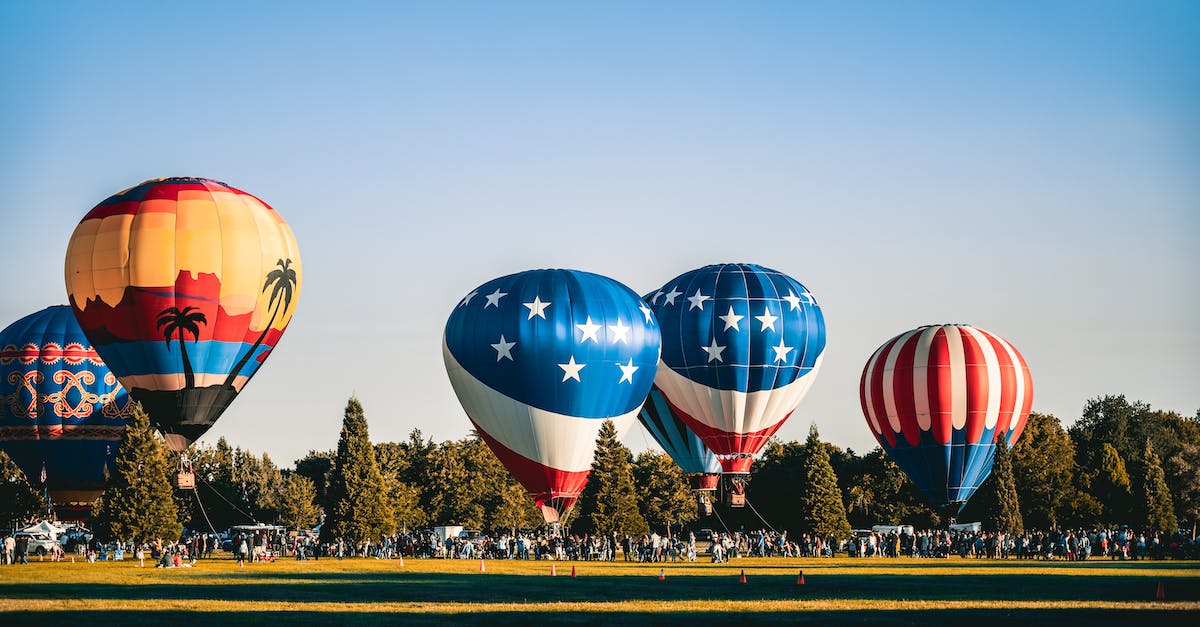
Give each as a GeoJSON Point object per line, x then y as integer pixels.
{"type": "Point", "coordinates": [938, 398]}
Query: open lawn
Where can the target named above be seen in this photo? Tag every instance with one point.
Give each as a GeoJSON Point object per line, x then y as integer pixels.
{"type": "Point", "coordinates": [368, 591]}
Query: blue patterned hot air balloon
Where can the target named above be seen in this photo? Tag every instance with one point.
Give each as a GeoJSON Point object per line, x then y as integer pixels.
{"type": "Point", "coordinates": [539, 359]}
{"type": "Point", "coordinates": [684, 447]}
{"type": "Point", "coordinates": [62, 412]}
{"type": "Point", "coordinates": [741, 347]}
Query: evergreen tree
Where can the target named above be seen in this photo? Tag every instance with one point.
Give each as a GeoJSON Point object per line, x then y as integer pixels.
{"type": "Point", "coordinates": [1004, 511]}
{"type": "Point", "coordinates": [821, 509]}
{"type": "Point", "coordinates": [1158, 510]}
{"type": "Point", "coordinates": [357, 500]}
{"type": "Point", "coordinates": [1111, 485]}
{"type": "Point", "coordinates": [609, 500]}
{"type": "Point", "coordinates": [138, 504]}
{"type": "Point", "coordinates": [297, 504]}
{"type": "Point", "coordinates": [664, 498]}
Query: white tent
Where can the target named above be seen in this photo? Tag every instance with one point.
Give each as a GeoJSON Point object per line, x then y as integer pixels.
{"type": "Point", "coordinates": [46, 527]}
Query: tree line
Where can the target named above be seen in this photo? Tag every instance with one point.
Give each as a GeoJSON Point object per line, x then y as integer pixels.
{"type": "Point", "coordinates": [1121, 462]}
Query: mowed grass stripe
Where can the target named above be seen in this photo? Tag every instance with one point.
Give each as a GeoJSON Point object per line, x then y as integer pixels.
{"type": "Point", "coordinates": [741, 607]}
{"type": "Point", "coordinates": [368, 592]}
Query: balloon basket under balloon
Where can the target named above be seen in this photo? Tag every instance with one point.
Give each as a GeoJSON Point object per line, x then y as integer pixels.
{"type": "Point", "coordinates": [185, 481]}
{"type": "Point", "coordinates": [733, 490]}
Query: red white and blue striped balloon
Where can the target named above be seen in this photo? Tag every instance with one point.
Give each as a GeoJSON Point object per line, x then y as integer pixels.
{"type": "Point", "coordinates": [938, 398]}
{"type": "Point", "coordinates": [741, 347]}
{"type": "Point", "coordinates": [539, 360]}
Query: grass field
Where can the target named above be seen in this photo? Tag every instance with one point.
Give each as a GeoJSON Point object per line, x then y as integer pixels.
{"type": "Point", "coordinates": [840, 591]}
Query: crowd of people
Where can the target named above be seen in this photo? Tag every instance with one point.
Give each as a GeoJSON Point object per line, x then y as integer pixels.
{"type": "Point", "coordinates": [265, 546]}
{"type": "Point", "coordinates": [1054, 544]}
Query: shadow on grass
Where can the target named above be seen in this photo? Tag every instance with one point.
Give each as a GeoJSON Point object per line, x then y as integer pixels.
{"type": "Point", "coordinates": [419, 587]}
{"type": "Point", "coordinates": [975, 618]}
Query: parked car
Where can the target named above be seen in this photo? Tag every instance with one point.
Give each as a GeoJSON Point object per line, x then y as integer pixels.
{"type": "Point", "coordinates": [39, 543]}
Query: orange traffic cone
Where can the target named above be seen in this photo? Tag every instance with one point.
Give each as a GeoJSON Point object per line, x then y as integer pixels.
{"type": "Point", "coordinates": [742, 579]}
{"type": "Point", "coordinates": [1162, 593]}
{"type": "Point", "coordinates": [572, 570]}
{"type": "Point", "coordinates": [662, 575]}
{"type": "Point", "coordinates": [482, 567]}
{"type": "Point", "coordinates": [552, 573]}
{"type": "Point", "coordinates": [800, 579]}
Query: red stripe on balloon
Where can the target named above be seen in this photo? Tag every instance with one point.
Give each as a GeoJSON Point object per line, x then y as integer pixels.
{"type": "Point", "coordinates": [978, 388]}
{"type": "Point", "coordinates": [542, 482]}
{"type": "Point", "coordinates": [902, 389]}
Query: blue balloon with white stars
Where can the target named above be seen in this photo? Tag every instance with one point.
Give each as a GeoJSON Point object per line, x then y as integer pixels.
{"type": "Point", "coordinates": [739, 327]}
{"type": "Point", "coordinates": [564, 341]}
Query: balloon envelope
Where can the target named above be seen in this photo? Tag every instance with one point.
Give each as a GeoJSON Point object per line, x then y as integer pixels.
{"type": "Point", "coordinates": [938, 398]}
{"type": "Point", "coordinates": [672, 434]}
{"type": "Point", "coordinates": [741, 347]}
{"type": "Point", "coordinates": [61, 409]}
{"type": "Point", "coordinates": [184, 286]}
{"type": "Point", "coordinates": [539, 359]}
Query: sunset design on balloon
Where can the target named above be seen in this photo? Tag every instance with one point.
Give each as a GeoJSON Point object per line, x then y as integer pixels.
{"type": "Point", "coordinates": [184, 286]}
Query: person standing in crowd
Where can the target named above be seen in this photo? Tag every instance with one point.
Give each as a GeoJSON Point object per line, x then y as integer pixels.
{"type": "Point", "coordinates": [242, 549]}
{"type": "Point", "coordinates": [10, 547]}
{"type": "Point", "coordinates": [22, 548]}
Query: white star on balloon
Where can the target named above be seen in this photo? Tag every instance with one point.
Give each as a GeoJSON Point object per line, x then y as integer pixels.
{"type": "Point", "coordinates": [654, 299]}
{"type": "Point", "coordinates": [767, 320]}
{"type": "Point", "coordinates": [781, 351]}
{"type": "Point", "coordinates": [793, 300]}
{"type": "Point", "coordinates": [619, 331]}
{"type": "Point", "coordinates": [504, 349]}
{"type": "Point", "coordinates": [697, 300]}
{"type": "Point", "coordinates": [714, 351]}
{"type": "Point", "coordinates": [627, 372]}
{"type": "Point", "coordinates": [669, 297]}
{"type": "Point", "coordinates": [571, 370]}
{"type": "Point", "coordinates": [589, 330]}
{"type": "Point", "coordinates": [466, 299]}
{"type": "Point", "coordinates": [493, 299]}
{"type": "Point", "coordinates": [537, 308]}
{"type": "Point", "coordinates": [731, 320]}
{"type": "Point", "coordinates": [646, 311]}
{"type": "Point", "coordinates": [808, 298]}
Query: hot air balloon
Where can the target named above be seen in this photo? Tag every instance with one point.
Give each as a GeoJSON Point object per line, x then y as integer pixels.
{"type": "Point", "coordinates": [184, 286]}
{"type": "Point", "coordinates": [741, 347]}
{"type": "Point", "coordinates": [62, 412]}
{"type": "Point", "coordinates": [538, 360]}
{"type": "Point", "coordinates": [683, 446]}
{"type": "Point", "coordinates": [938, 398]}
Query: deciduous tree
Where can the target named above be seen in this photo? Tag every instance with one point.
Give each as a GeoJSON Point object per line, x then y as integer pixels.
{"type": "Point", "coordinates": [664, 498]}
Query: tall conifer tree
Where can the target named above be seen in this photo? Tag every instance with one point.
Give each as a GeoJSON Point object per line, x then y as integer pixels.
{"type": "Point", "coordinates": [357, 501]}
{"type": "Point", "coordinates": [1158, 507]}
{"type": "Point", "coordinates": [609, 501]}
{"type": "Point", "coordinates": [1004, 513]}
{"type": "Point", "coordinates": [821, 509]}
{"type": "Point", "coordinates": [138, 504]}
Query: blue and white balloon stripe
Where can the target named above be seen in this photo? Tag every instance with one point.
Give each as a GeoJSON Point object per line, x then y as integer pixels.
{"type": "Point", "coordinates": [739, 327]}
{"type": "Point", "coordinates": [563, 341]}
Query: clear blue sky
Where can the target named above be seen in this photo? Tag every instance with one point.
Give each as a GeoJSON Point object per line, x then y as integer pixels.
{"type": "Point", "coordinates": [1032, 168]}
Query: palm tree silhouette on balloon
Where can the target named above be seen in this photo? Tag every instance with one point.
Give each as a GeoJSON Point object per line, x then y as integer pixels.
{"type": "Point", "coordinates": [282, 283]}
{"type": "Point", "coordinates": [180, 322]}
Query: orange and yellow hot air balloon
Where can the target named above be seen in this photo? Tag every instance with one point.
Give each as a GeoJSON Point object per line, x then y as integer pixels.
{"type": "Point", "coordinates": [184, 286]}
